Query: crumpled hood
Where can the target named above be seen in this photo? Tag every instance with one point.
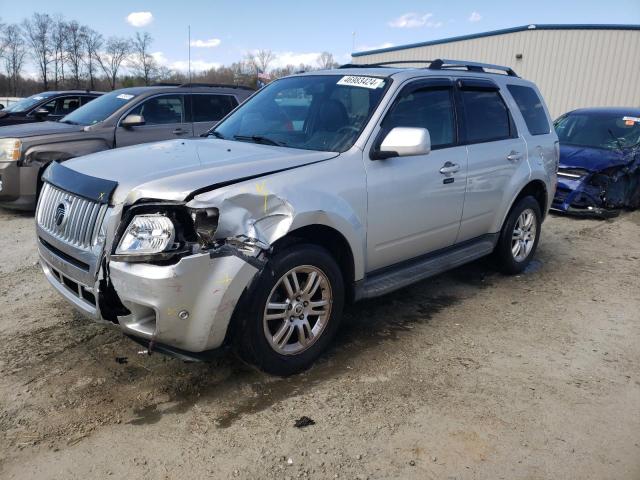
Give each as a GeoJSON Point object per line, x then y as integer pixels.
{"type": "Point", "coordinates": [592, 159]}
{"type": "Point", "coordinates": [39, 128]}
{"type": "Point", "coordinates": [174, 169]}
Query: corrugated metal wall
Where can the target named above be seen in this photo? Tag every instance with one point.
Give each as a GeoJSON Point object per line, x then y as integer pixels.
{"type": "Point", "coordinates": [572, 68]}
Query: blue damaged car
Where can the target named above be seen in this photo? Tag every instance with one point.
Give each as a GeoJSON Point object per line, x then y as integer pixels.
{"type": "Point", "coordinates": [599, 169]}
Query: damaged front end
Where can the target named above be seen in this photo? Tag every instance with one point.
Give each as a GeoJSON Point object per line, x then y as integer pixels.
{"type": "Point", "coordinates": [179, 269]}
{"type": "Point", "coordinates": [600, 193]}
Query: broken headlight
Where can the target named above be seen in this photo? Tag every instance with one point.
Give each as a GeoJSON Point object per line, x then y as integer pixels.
{"type": "Point", "coordinates": [147, 234]}
{"type": "Point", "coordinates": [205, 223]}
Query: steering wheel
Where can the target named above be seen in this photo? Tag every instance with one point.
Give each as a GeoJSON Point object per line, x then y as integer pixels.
{"type": "Point", "coordinates": [347, 129]}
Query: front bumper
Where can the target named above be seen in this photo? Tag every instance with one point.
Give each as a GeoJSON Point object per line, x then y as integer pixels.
{"type": "Point", "coordinates": [187, 305]}
{"type": "Point", "coordinates": [18, 185]}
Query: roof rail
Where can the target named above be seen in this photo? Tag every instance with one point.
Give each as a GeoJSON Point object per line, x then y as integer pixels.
{"type": "Point", "coordinates": [440, 64]}
{"type": "Point", "coordinates": [216, 85]}
{"type": "Point", "coordinates": [443, 64]}
{"type": "Point", "coordinates": [165, 84]}
{"type": "Point", "coordinates": [382, 64]}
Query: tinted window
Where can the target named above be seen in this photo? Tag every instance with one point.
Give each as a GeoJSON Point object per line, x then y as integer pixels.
{"type": "Point", "coordinates": [209, 108]}
{"type": "Point", "coordinates": [85, 100]}
{"type": "Point", "coordinates": [486, 116]}
{"type": "Point", "coordinates": [99, 109]}
{"type": "Point", "coordinates": [531, 108]}
{"type": "Point", "coordinates": [67, 105]}
{"type": "Point", "coordinates": [161, 110]}
{"type": "Point", "coordinates": [430, 109]}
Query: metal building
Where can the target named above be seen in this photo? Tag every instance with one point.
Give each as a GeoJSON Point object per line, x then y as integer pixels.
{"type": "Point", "coordinates": [573, 65]}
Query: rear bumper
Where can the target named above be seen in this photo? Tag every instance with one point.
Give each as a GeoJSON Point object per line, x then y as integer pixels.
{"type": "Point", "coordinates": [18, 185]}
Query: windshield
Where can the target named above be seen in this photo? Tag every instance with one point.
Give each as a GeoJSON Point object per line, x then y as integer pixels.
{"type": "Point", "coordinates": [608, 131]}
{"type": "Point", "coordinates": [26, 103]}
{"type": "Point", "coordinates": [99, 109]}
{"type": "Point", "coordinates": [319, 112]}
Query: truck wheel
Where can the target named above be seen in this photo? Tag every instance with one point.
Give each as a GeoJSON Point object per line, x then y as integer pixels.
{"type": "Point", "coordinates": [292, 312]}
{"type": "Point", "coordinates": [519, 236]}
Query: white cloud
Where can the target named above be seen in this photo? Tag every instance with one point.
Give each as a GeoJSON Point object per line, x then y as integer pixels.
{"type": "Point", "coordinates": [364, 48]}
{"type": "Point", "coordinates": [139, 19]}
{"type": "Point", "coordinates": [294, 58]}
{"type": "Point", "coordinates": [414, 20]}
{"type": "Point", "coordinates": [475, 17]}
{"type": "Point", "coordinates": [183, 65]}
{"type": "Point", "coordinates": [211, 43]}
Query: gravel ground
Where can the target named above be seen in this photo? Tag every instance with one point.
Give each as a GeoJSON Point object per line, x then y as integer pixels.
{"type": "Point", "coordinates": [470, 375]}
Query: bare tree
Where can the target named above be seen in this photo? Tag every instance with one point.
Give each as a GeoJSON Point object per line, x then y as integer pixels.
{"type": "Point", "coordinates": [74, 50]}
{"type": "Point", "coordinates": [2, 43]}
{"type": "Point", "coordinates": [92, 45]}
{"type": "Point", "coordinates": [110, 60]}
{"type": "Point", "coordinates": [38, 34]}
{"type": "Point", "coordinates": [58, 34]}
{"type": "Point", "coordinates": [326, 61]}
{"type": "Point", "coordinates": [142, 63]}
{"type": "Point", "coordinates": [261, 59]}
{"type": "Point", "coordinates": [14, 53]}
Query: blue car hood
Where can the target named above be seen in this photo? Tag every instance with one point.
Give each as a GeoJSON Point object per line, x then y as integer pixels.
{"type": "Point", "coordinates": [592, 159]}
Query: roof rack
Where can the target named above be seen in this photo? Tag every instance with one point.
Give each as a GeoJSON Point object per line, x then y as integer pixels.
{"type": "Point", "coordinates": [165, 84]}
{"type": "Point", "coordinates": [216, 85]}
{"type": "Point", "coordinates": [440, 64]}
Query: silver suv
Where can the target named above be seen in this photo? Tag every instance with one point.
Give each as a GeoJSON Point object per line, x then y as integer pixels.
{"type": "Point", "coordinates": [322, 188]}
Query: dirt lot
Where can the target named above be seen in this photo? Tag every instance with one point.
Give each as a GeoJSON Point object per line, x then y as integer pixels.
{"type": "Point", "coordinates": [470, 375]}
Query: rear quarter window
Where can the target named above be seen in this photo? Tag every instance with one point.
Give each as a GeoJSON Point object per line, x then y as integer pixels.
{"type": "Point", "coordinates": [531, 108]}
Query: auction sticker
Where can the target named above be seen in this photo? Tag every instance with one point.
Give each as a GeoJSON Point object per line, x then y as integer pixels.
{"type": "Point", "coordinates": [364, 82]}
{"type": "Point", "coordinates": [125, 96]}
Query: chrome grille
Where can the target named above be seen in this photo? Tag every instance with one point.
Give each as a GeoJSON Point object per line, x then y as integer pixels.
{"type": "Point", "coordinates": [82, 221]}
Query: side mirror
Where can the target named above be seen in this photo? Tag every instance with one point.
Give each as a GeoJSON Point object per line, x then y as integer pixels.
{"type": "Point", "coordinates": [132, 121]}
{"type": "Point", "coordinates": [41, 113]}
{"type": "Point", "coordinates": [404, 142]}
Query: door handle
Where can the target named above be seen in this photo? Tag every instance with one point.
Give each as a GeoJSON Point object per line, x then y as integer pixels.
{"type": "Point", "coordinates": [448, 168]}
{"type": "Point", "coordinates": [179, 131]}
{"type": "Point", "coordinates": [514, 156]}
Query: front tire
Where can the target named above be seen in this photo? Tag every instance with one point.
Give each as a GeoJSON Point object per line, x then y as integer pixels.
{"type": "Point", "coordinates": [519, 236]}
{"type": "Point", "coordinates": [292, 312]}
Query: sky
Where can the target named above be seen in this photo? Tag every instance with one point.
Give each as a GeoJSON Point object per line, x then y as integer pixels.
{"type": "Point", "coordinates": [297, 31]}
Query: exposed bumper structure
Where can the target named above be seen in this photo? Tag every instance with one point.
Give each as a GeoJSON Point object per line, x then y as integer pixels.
{"type": "Point", "coordinates": [599, 194]}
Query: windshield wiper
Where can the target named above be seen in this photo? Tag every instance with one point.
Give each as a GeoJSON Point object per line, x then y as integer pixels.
{"type": "Point", "coordinates": [69, 122]}
{"type": "Point", "coordinates": [214, 133]}
{"type": "Point", "coordinates": [260, 139]}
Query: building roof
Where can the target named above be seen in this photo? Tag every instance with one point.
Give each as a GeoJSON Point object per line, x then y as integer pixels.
{"type": "Point", "coordinates": [503, 31]}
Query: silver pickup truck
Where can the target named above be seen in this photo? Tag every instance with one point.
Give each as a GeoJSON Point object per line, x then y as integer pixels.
{"type": "Point", "coordinates": [323, 188]}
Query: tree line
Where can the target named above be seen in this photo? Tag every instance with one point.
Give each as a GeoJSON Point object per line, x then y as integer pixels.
{"type": "Point", "coordinates": [68, 55]}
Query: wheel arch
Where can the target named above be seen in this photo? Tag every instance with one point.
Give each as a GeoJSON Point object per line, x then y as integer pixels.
{"type": "Point", "coordinates": [330, 239]}
{"type": "Point", "coordinates": [535, 188]}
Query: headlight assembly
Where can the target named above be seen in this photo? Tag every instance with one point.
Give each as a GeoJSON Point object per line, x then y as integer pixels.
{"type": "Point", "coordinates": [10, 149]}
{"type": "Point", "coordinates": [147, 234]}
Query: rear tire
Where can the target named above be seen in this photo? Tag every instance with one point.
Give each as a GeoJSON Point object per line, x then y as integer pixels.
{"type": "Point", "coordinates": [292, 311]}
{"type": "Point", "coordinates": [519, 237]}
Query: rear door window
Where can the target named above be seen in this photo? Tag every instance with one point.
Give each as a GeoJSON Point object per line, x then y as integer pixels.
{"type": "Point", "coordinates": [486, 116]}
{"type": "Point", "coordinates": [530, 106]}
{"type": "Point", "coordinates": [211, 108]}
{"type": "Point", "coordinates": [166, 109]}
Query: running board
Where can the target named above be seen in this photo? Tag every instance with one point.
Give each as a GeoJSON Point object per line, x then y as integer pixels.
{"type": "Point", "coordinates": [402, 275]}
